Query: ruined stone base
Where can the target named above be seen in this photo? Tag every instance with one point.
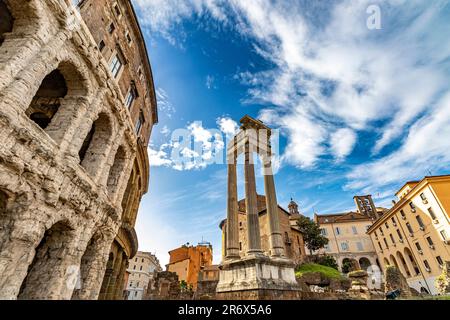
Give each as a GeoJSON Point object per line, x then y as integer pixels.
{"type": "Point", "coordinates": [258, 278]}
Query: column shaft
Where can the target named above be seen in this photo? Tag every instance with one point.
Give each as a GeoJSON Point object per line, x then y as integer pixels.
{"type": "Point", "coordinates": [232, 227]}
{"type": "Point", "coordinates": [253, 233]}
{"type": "Point", "coordinates": [275, 236]}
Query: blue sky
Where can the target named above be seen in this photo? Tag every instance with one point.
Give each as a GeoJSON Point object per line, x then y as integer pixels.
{"type": "Point", "coordinates": [359, 110]}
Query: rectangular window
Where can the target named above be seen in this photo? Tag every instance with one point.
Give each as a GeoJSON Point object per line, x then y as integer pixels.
{"type": "Point", "coordinates": [412, 206]}
{"type": "Point", "coordinates": [139, 123]}
{"type": "Point", "coordinates": [111, 28]}
{"type": "Point", "coordinates": [418, 246]}
{"type": "Point", "coordinates": [422, 196]}
{"type": "Point", "coordinates": [420, 222]}
{"type": "Point", "coordinates": [323, 231]}
{"type": "Point", "coordinates": [443, 235]}
{"type": "Point", "coordinates": [338, 231]}
{"type": "Point", "coordinates": [399, 234]}
{"type": "Point", "coordinates": [379, 244]}
{"type": "Point", "coordinates": [385, 243]}
{"type": "Point", "coordinates": [430, 241]}
{"type": "Point", "coordinates": [101, 45]}
{"type": "Point", "coordinates": [116, 65]}
{"type": "Point", "coordinates": [402, 213]}
{"type": "Point", "coordinates": [344, 246]}
{"type": "Point", "coordinates": [386, 225]}
{"type": "Point", "coordinates": [355, 231]}
{"type": "Point", "coordinates": [375, 233]}
{"type": "Point", "coordinates": [381, 231]}
{"type": "Point", "coordinates": [117, 10]}
{"type": "Point", "coordinates": [393, 221]}
{"type": "Point", "coordinates": [326, 247]}
{"type": "Point", "coordinates": [392, 238]}
{"type": "Point", "coordinates": [130, 98]}
{"type": "Point", "coordinates": [409, 228]}
{"type": "Point", "coordinates": [427, 265]}
{"type": "Point", "coordinates": [431, 212]}
{"type": "Point", "coordinates": [359, 246]}
{"type": "Point", "coordinates": [439, 260]}
{"type": "Point", "coordinates": [128, 37]}
{"type": "Point", "coordinates": [142, 259]}
{"type": "Point", "coordinates": [240, 246]}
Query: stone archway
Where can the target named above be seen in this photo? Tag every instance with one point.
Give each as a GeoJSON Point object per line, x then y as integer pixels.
{"type": "Point", "coordinates": [393, 261]}
{"type": "Point", "coordinates": [364, 263]}
{"type": "Point", "coordinates": [92, 267]}
{"type": "Point", "coordinates": [116, 170]}
{"type": "Point", "coordinates": [404, 264]}
{"type": "Point", "coordinates": [93, 151]}
{"type": "Point", "coordinates": [48, 272]}
{"type": "Point", "coordinates": [58, 100]}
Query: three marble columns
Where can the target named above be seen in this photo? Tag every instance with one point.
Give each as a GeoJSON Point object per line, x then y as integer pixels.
{"type": "Point", "coordinates": [251, 207]}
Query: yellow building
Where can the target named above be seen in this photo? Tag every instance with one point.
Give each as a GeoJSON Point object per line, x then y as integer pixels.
{"type": "Point", "coordinates": [414, 235]}
{"type": "Point", "coordinates": [348, 242]}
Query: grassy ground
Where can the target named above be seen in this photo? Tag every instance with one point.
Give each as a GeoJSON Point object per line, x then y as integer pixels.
{"type": "Point", "coordinates": [312, 267]}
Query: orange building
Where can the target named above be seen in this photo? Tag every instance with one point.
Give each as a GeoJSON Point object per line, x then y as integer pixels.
{"type": "Point", "coordinates": [186, 261]}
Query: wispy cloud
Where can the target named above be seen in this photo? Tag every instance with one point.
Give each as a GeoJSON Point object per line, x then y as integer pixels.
{"type": "Point", "coordinates": [334, 80]}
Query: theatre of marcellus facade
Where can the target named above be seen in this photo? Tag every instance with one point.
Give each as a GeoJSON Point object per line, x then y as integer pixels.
{"type": "Point", "coordinates": [77, 106]}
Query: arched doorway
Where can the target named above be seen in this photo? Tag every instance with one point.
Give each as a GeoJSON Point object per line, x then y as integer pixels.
{"type": "Point", "coordinates": [92, 152]}
{"type": "Point", "coordinates": [364, 263]}
{"type": "Point", "coordinates": [6, 21]}
{"type": "Point", "coordinates": [410, 257]}
{"type": "Point", "coordinates": [48, 270]}
{"type": "Point", "coordinates": [393, 261]}
{"type": "Point", "coordinates": [404, 264]}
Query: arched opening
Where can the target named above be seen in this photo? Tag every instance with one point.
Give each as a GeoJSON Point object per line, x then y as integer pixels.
{"type": "Point", "coordinates": [3, 202]}
{"type": "Point", "coordinates": [404, 264]}
{"type": "Point", "coordinates": [349, 265]}
{"type": "Point", "coordinates": [386, 262]}
{"type": "Point", "coordinates": [115, 173]}
{"type": "Point", "coordinates": [93, 150]}
{"type": "Point", "coordinates": [364, 263]}
{"type": "Point", "coordinates": [6, 21]}
{"type": "Point", "coordinates": [57, 100]}
{"type": "Point", "coordinates": [47, 264]}
{"type": "Point", "coordinates": [410, 257]}
{"type": "Point", "coordinates": [107, 278]}
{"type": "Point", "coordinates": [423, 290]}
{"type": "Point", "coordinates": [393, 261]}
{"type": "Point", "coordinates": [88, 265]}
{"type": "Point", "coordinates": [47, 99]}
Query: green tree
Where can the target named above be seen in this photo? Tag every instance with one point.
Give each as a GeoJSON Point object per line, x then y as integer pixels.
{"type": "Point", "coordinates": [442, 282]}
{"type": "Point", "coordinates": [312, 235]}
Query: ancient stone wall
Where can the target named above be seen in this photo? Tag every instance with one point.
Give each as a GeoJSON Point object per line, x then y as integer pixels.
{"type": "Point", "coordinates": [63, 172]}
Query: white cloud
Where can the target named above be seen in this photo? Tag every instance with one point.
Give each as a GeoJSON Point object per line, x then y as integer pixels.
{"type": "Point", "coordinates": [342, 143]}
{"type": "Point", "coordinates": [228, 126]}
{"type": "Point", "coordinates": [165, 107]}
{"type": "Point", "coordinates": [165, 130]}
{"type": "Point", "coordinates": [425, 149]}
{"type": "Point", "coordinates": [199, 147]}
{"type": "Point", "coordinates": [331, 73]}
